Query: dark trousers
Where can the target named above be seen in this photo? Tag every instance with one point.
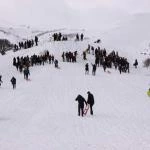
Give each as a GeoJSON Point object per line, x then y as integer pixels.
{"type": "Point", "coordinates": [14, 86]}
{"type": "Point", "coordinates": [91, 109]}
{"type": "Point", "coordinates": [80, 110]}
{"type": "Point", "coordinates": [26, 76]}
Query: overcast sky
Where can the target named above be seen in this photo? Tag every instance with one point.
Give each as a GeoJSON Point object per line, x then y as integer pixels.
{"type": "Point", "coordinates": [56, 12]}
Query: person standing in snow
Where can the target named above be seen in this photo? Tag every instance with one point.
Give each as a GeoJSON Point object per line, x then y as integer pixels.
{"type": "Point", "coordinates": [87, 68]}
{"type": "Point", "coordinates": [84, 56]}
{"type": "Point", "coordinates": [14, 61]}
{"type": "Point", "coordinates": [26, 73]}
{"type": "Point", "coordinates": [1, 80]}
{"type": "Point", "coordinates": [13, 81]}
{"type": "Point", "coordinates": [90, 101]}
{"type": "Point", "coordinates": [82, 36]}
{"type": "Point", "coordinates": [77, 37]}
{"type": "Point", "coordinates": [81, 101]}
{"type": "Point", "coordinates": [36, 40]}
{"type": "Point", "coordinates": [56, 63]}
{"type": "Point", "coordinates": [52, 59]}
{"type": "Point", "coordinates": [63, 57]}
{"type": "Point", "coordinates": [135, 63]}
{"type": "Point", "coordinates": [94, 70]}
{"type": "Point", "coordinates": [120, 68]}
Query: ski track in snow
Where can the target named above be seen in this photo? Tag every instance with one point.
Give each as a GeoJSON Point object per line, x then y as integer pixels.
{"type": "Point", "coordinates": [41, 114]}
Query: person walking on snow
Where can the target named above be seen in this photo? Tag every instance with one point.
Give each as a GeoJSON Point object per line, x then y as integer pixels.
{"type": "Point", "coordinates": [81, 101]}
{"type": "Point", "coordinates": [56, 63]}
{"type": "Point", "coordinates": [36, 40]}
{"type": "Point", "coordinates": [82, 36]}
{"type": "Point", "coordinates": [94, 69]}
{"type": "Point", "coordinates": [135, 63]}
{"type": "Point", "coordinates": [26, 73]}
{"type": "Point", "coordinates": [87, 68]}
{"type": "Point", "coordinates": [90, 101]}
{"type": "Point", "coordinates": [13, 81]}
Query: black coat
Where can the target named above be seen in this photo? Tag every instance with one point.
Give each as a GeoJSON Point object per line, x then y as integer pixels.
{"type": "Point", "coordinates": [13, 80]}
{"type": "Point", "coordinates": [81, 101]}
{"type": "Point", "coordinates": [90, 99]}
{"type": "Point", "coordinates": [94, 67]}
{"type": "Point", "coordinates": [86, 67]}
{"type": "Point", "coordinates": [26, 72]}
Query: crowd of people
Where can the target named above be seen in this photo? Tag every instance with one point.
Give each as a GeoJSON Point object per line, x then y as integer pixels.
{"type": "Point", "coordinates": [59, 37]}
{"type": "Point", "coordinates": [102, 59]}
{"type": "Point", "coordinates": [26, 44]}
{"type": "Point", "coordinates": [25, 62]}
{"type": "Point", "coordinates": [69, 56]}
{"type": "Point", "coordinates": [108, 60]}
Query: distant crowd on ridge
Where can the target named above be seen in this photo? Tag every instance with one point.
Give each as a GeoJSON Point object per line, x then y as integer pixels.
{"type": "Point", "coordinates": [26, 44]}
{"type": "Point", "coordinates": [60, 37]}
{"type": "Point", "coordinates": [107, 60]}
{"type": "Point", "coordinates": [102, 58]}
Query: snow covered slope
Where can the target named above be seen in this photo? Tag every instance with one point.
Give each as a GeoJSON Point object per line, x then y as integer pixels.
{"type": "Point", "coordinates": [132, 32]}
{"type": "Point", "coordinates": [42, 114]}
{"type": "Point", "coordinates": [17, 33]}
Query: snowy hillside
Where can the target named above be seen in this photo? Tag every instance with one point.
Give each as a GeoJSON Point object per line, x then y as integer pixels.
{"type": "Point", "coordinates": [131, 33]}
{"type": "Point", "coordinates": [17, 33]}
{"type": "Point", "coordinates": [41, 114]}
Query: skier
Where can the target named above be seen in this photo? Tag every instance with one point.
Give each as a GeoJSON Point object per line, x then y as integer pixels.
{"type": "Point", "coordinates": [90, 101]}
{"type": "Point", "coordinates": [81, 101]}
{"type": "Point", "coordinates": [13, 81]}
